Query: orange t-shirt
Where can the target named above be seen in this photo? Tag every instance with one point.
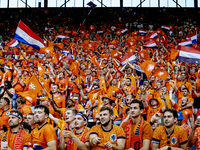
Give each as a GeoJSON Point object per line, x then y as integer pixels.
{"type": "Point", "coordinates": [146, 131]}
{"type": "Point", "coordinates": [178, 137]}
{"type": "Point", "coordinates": [11, 138]}
{"type": "Point", "coordinates": [106, 136]}
{"type": "Point", "coordinates": [197, 138]}
{"type": "Point", "coordinates": [43, 135]}
{"type": "Point", "coordinates": [4, 116]}
{"type": "Point", "coordinates": [187, 113]}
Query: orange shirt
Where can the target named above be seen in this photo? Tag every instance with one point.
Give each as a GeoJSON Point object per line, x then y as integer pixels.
{"type": "Point", "coordinates": [151, 111]}
{"type": "Point", "coordinates": [146, 131]}
{"type": "Point", "coordinates": [10, 138]}
{"type": "Point", "coordinates": [188, 85]}
{"type": "Point", "coordinates": [25, 109]}
{"type": "Point", "coordinates": [60, 102]}
{"type": "Point", "coordinates": [43, 135]}
{"type": "Point", "coordinates": [4, 116]}
{"type": "Point", "coordinates": [6, 75]}
{"type": "Point", "coordinates": [187, 113]}
{"type": "Point", "coordinates": [197, 138]}
{"type": "Point", "coordinates": [177, 138]}
{"type": "Point", "coordinates": [62, 84]}
{"type": "Point", "coordinates": [115, 133]}
{"type": "Point", "coordinates": [18, 87]}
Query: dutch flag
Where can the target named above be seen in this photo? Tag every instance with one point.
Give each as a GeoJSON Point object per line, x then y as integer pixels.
{"type": "Point", "coordinates": [124, 31]}
{"type": "Point", "coordinates": [189, 55]}
{"type": "Point", "coordinates": [166, 27]}
{"type": "Point", "coordinates": [187, 43]}
{"type": "Point", "coordinates": [62, 36]}
{"type": "Point", "coordinates": [192, 37]}
{"type": "Point", "coordinates": [150, 43]}
{"type": "Point", "coordinates": [131, 57]}
{"type": "Point", "coordinates": [25, 35]}
{"type": "Point", "coordinates": [13, 43]}
{"type": "Point", "coordinates": [142, 32]}
{"type": "Point", "coordinates": [153, 35]}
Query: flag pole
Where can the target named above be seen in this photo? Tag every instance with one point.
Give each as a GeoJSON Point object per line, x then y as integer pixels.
{"type": "Point", "coordinates": [84, 20]}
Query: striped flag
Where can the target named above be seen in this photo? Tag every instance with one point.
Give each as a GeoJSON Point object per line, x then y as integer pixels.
{"type": "Point", "coordinates": [13, 43]}
{"type": "Point", "coordinates": [131, 57]}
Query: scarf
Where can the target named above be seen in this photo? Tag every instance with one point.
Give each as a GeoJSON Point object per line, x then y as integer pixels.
{"type": "Point", "coordinates": [61, 135]}
{"type": "Point", "coordinates": [135, 141]}
{"type": "Point", "coordinates": [70, 143]}
{"type": "Point", "coordinates": [18, 141]}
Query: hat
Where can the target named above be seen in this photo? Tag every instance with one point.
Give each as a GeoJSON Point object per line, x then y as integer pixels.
{"type": "Point", "coordinates": [180, 116]}
{"type": "Point", "coordinates": [119, 91]}
{"type": "Point", "coordinates": [44, 98]}
{"type": "Point", "coordinates": [73, 100]}
{"type": "Point", "coordinates": [106, 96]}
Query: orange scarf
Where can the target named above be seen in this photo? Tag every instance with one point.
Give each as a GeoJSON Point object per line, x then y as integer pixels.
{"type": "Point", "coordinates": [18, 141]}
{"type": "Point", "coordinates": [134, 141]}
{"type": "Point", "coordinates": [70, 143]}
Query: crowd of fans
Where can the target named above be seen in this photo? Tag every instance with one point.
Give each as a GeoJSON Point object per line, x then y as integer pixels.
{"type": "Point", "coordinates": [89, 99]}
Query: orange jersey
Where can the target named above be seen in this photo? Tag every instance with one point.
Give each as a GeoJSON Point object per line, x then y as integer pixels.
{"type": "Point", "coordinates": [146, 130]}
{"type": "Point", "coordinates": [43, 135]}
{"type": "Point", "coordinates": [177, 138]}
{"type": "Point", "coordinates": [151, 111]}
{"type": "Point", "coordinates": [62, 84]}
{"type": "Point", "coordinates": [4, 116]}
{"type": "Point", "coordinates": [187, 113]}
{"type": "Point", "coordinates": [10, 138]}
{"type": "Point", "coordinates": [60, 102]}
{"type": "Point", "coordinates": [188, 85]}
{"type": "Point", "coordinates": [115, 133]}
{"type": "Point", "coordinates": [197, 138]}
{"type": "Point", "coordinates": [25, 109]}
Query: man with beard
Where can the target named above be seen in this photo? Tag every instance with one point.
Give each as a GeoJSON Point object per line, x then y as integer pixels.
{"type": "Point", "coordinates": [15, 137]}
{"type": "Point", "coordinates": [169, 136]}
{"type": "Point", "coordinates": [78, 137]}
{"type": "Point", "coordinates": [44, 135]}
{"type": "Point", "coordinates": [106, 135]}
{"type": "Point", "coordinates": [138, 131]}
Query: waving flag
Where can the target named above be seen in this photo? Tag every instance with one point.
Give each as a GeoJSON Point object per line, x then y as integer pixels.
{"type": "Point", "coordinates": [25, 35]}
{"type": "Point", "coordinates": [62, 36]}
{"type": "Point", "coordinates": [116, 54]}
{"type": "Point", "coordinates": [131, 57]}
{"type": "Point", "coordinates": [91, 4]}
{"type": "Point", "coordinates": [144, 55]}
{"type": "Point", "coordinates": [166, 27]}
{"type": "Point", "coordinates": [47, 50]}
{"type": "Point", "coordinates": [33, 85]}
{"type": "Point", "coordinates": [152, 35]}
{"type": "Point", "coordinates": [29, 96]}
{"type": "Point", "coordinates": [150, 43]}
{"type": "Point", "coordinates": [171, 33]}
{"type": "Point", "coordinates": [148, 67]}
{"type": "Point", "coordinates": [174, 53]}
{"type": "Point", "coordinates": [142, 32]}
{"type": "Point", "coordinates": [162, 74]}
{"type": "Point", "coordinates": [192, 37]}
{"type": "Point", "coordinates": [124, 31]}
{"type": "Point", "coordinates": [189, 55]}
{"type": "Point", "coordinates": [100, 31]}
{"type": "Point", "coordinates": [41, 70]}
{"type": "Point", "coordinates": [13, 43]}
{"type": "Point", "coordinates": [187, 43]}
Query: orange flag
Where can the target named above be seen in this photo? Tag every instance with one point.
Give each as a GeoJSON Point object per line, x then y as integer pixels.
{"type": "Point", "coordinates": [174, 53]}
{"type": "Point", "coordinates": [33, 85]}
{"type": "Point", "coordinates": [116, 54]}
{"type": "Point", "coordinates": [94, 61]}
{"type": "Point", "coordinates": [29, 96]}
{"type": "Point", "coordinates": [93, 95]}
{"type": "Point", "coordinates": [148, 67]}
{"type": "Point", "coordinates": [55, 57]}
{"type": "Point", "coordinates": [162, 74]}
{"type": "Point", "coordinates": [59, 45]}
{"type": "Point", "coordinates": [47, 50]}
{"type": "Point", "coordinates": [144, 55]}
{"type": "Point", "coordinates": [74, 68]}
{"type": "Point", "coordinates": [41, 70]}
